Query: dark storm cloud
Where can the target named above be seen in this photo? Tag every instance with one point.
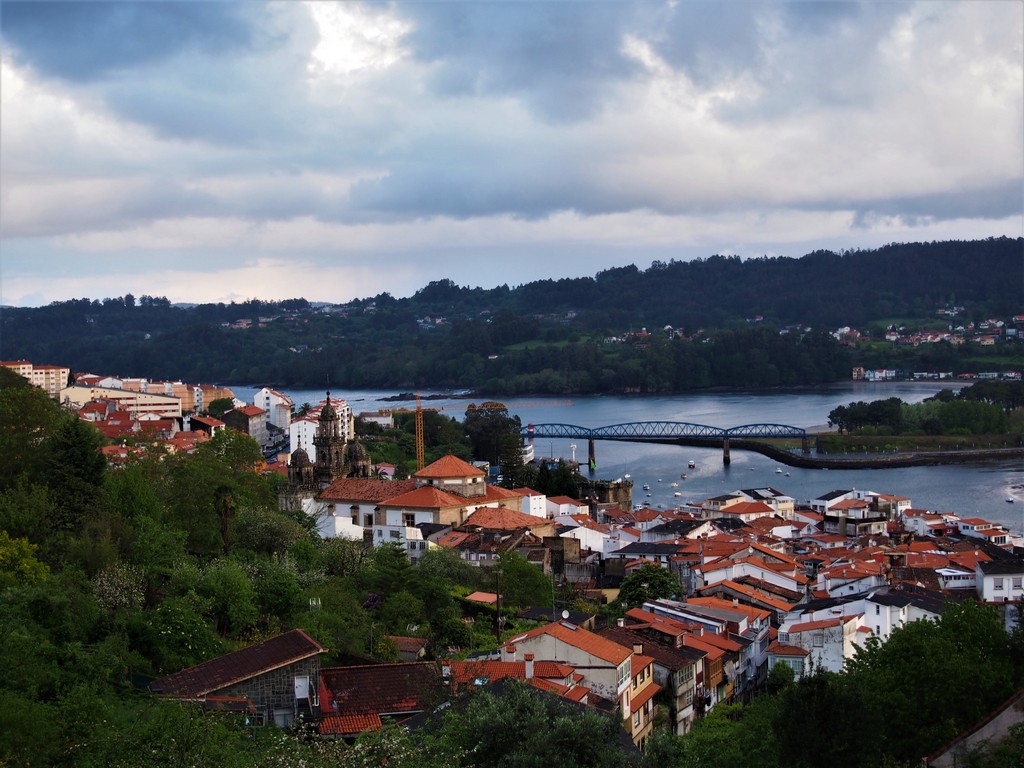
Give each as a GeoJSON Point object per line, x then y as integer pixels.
{"type": "Point", "coordinates": [558, 57]}
{"type": "Point", "coordinates": [990, 202]}
{"type": "Point", "coordinates": [83, 41]}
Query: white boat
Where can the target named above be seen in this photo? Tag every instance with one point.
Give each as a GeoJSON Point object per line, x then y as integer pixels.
{"type": "Point", "coordinates": [647, 486]}
{"type": "Point", "coordinates": [1010, 499]}
{"type": "Point", "coordinates": [692, 464]}
{"type": "Point", "coordinates": [677, 493]}
{"type": "Point", "coordinates": [675, 485]}
{"type": "Point", "coordinates": [778, 471]}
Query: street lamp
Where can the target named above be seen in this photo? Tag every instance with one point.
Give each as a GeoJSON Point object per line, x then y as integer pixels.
{"type": "Point", "coordinates": [572, 447]}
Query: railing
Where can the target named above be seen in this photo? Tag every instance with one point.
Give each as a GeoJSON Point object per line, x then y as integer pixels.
{"type": "Point", "coordinates": [662, 430]}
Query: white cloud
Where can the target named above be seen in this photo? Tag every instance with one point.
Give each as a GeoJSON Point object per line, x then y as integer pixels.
{"type": "Point", "coordinates": [491, 141]}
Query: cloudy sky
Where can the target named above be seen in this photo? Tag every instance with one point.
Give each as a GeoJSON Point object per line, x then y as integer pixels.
{"type": "Point", "coordinates": [218, 151]}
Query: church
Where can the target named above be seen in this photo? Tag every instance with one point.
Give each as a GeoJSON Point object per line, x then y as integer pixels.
{"type": "Point", "coordinates": [336, 458]}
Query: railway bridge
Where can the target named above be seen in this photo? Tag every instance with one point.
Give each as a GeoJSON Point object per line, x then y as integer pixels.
{"type": "Point", "coordinates": [680, 432]}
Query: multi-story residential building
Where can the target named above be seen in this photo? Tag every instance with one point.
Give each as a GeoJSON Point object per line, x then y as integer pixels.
{"type": "Point", "coordinates": [829, 642]}
{"type": "Point", "coordinates": [135, 403]}
{"type": "Point", "coordinates": [277, 405]}
{"type": "Point", "coordinates": [622, 675]}
{"type": "Point", "coordinates": [49, 378]}
{"type": "Point", "coordinates": [250, 420]}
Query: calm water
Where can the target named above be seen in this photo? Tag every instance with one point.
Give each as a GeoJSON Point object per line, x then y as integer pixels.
{"type": "Point", "coordinates": [969, 489]}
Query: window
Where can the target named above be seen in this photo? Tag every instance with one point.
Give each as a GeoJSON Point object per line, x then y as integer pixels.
{"type": "Point", "coordinates": [395, 535]}
{"type": "Point", "coordinates": [878, 610]}
{"type": "Point", "coordinates": [636, 719]}
{"type": "Point", "coordinates": [408, 519]}
{"type": "Point", "coordinates": [818, 639]}
{"type": "Point", "coordinates": [997, 583]}
{"type": "Point", "coordinates": [1018, 582]}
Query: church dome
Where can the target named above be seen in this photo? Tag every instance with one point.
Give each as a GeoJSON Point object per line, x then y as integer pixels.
{"type": "Point", "coordinates": [300, 458]}
{"type": "Point", "coordinates": [327, 413]}
{"type": "Point", "coordinates": [356, 452]}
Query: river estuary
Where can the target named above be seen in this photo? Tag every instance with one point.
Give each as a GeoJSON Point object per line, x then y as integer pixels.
{"type": "Point", "coordinates": [976, 489]}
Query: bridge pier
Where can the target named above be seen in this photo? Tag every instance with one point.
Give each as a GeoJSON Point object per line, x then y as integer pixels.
{"type": "Point", "coordinates": [725, 451]}
{"type": "Point", "coordinates": [806, 444]}
{"type": "Point", "coordinates": [591, 454]}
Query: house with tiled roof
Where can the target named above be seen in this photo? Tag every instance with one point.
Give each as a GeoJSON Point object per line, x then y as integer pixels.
{"type": "Point", "coordinates": [556, 506]}
{"type": "Point", "coordinates": [849, 577]}
{"type": "Point", "coordinates": [276, 679]}
{"type": "Point", "coordinates": [249, 419]}
{"type": "Point", "coordinates": [409, 648]}
{"type": "Point", "coordinates": [1001, 581]}
{"type": "Point", "coordinates": [675, 668]}
{"type": "Point", "coordinates": [454, 475]}
{"type": "Point", "coordinates": [829, 642]}
{"type": "Point", "coordinates": [621, 675]}
{"type": "Point", "coordinates": [347, 507]}
{"type": "Point", "coordinates": [854, 517]}
{"type": "Point", "coordinates": [793, 656]}
{"type": "Point", "coordinates": [533, 502]}
{"type": "Point", "coordinates": [363, 698]}
{"type": "Point", "coordinates": [207, 424]}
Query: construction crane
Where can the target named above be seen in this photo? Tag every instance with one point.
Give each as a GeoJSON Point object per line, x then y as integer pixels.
{"type": "Point", "coordinates": [420, 461]}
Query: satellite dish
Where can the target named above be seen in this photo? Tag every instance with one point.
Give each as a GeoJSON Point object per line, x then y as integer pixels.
{"type": "Point", "coordinates": [565, 614]}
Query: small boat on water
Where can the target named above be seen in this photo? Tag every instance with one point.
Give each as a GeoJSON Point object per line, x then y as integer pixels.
{"type": "Point", "coordinates": [677, 493]}
{"type": "Point", "coordinates": [1010, 499]}
{"type": "Point", "coordinates": [675, 485]}
{"type": "Point", "coordinates": [647, 486]}
{"type": "Point", "coordinates": [787, 474]}
{"type": "Point", "coordinates": [778, 471]}
{"type": "Point", "coordinates": [692, 464]}
{"type": "Point", "coordinates": [683, 476]}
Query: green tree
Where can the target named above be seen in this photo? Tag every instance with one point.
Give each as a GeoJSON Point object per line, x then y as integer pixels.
{"type": "Point", "coordinates": [18, 563]}
{"type": "Point", "coordinates": [486, 425]}
{"type": "Point", "coordinates": [74, 472]}
{"type": "Point", "coordinates": [218, 407]}
{"type": "Point", "coordinates": [523, 583]}
{"type": "Point", "coordinates": [525, 727]}
{"type": "Point", "coordinates": [648, 582]}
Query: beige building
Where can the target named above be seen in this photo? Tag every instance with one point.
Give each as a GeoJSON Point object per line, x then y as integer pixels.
{"type": "Point", "coordinates": [49, 378]}
{"type": "Point", "coordinates": [135, 403]}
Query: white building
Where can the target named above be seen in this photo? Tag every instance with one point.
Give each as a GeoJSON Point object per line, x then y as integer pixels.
{"type": "Point", "coordinates": [277, 405]}
{"type": "Point", "coordinates": [829, 642]}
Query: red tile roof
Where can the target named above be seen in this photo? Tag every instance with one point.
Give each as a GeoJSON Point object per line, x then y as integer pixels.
{"type": "Point", "coordinates": [449, 467]}
{"type": "Point", "coordinates": [241, 665]}
{"type": "Point", "coordinates": [782, 649]}
{"type": "Point", "coordinates": [501, 519]}
{"type": "Point", "coordinates": [359, 489]}
{"type": "Point", "coordinates": [426, 497]}
{"type": "Point", "coordinates": [375, 690]}
{"type": "Point", "coordinates": [580, 638]}
{"type": "Point", "coordinates": [636, 702]}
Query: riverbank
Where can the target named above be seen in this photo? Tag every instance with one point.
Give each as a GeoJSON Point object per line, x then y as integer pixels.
{"type": "Point", "coordinates": [879, 461]}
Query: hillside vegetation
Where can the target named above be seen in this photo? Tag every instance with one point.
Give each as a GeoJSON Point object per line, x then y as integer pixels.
{"type": "Point", "coordinates": [676, 326]}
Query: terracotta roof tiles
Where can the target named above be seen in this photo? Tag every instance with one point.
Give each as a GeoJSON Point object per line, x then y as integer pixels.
{"type": "Point", "coordinates": [240, 665]}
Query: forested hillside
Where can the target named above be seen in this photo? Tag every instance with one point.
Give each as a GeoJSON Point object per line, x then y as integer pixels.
{"type": "Point", "coordinates": [676, 326]}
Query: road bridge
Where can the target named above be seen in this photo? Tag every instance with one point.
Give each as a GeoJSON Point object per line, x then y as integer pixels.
{"type": "Point", "coordinates": [665, 432]}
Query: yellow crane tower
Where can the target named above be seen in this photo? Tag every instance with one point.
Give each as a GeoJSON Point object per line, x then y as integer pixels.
{"type": "Point", "coordinates": [419, 434]}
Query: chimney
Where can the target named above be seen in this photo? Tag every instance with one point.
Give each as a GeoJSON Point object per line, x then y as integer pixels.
{"type": "Point", "coordinates": [735, 602]}
{"type": "Point", "coordinates": [529, 665]}
{"type": "Point", "coordinates": [509, 653]}
{"type": "Point", "coordinates": [638, 649]}
{"type": "Point", "coordinates": [620, 622]}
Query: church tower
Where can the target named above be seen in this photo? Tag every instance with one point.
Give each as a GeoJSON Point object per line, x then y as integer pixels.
{"type": "Point", "coordinates": [330, 446]}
